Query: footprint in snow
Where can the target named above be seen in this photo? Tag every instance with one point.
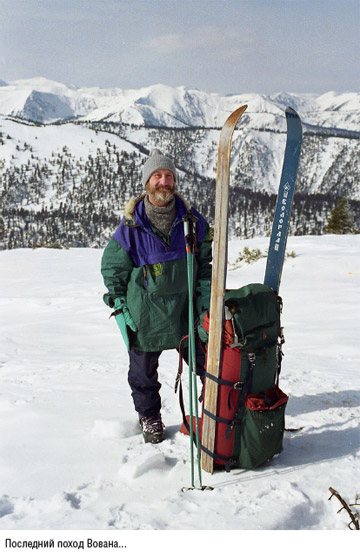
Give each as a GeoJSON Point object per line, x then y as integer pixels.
{"type": "Point", "coordinates": [73, 499]}
{"type": "Point", "coordinates": [6, 506]}
{"type": "Point", "coordinates": [114, 429]}
{"type": "Point", "coordinates": [142, 464]}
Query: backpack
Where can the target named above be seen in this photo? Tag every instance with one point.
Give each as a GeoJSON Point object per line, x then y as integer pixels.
{"type": "Point", "coordinates": [250, 417]}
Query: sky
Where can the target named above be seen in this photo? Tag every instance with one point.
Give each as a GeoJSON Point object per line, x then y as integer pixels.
{"type": "Point", "coordinates": [220, 46]}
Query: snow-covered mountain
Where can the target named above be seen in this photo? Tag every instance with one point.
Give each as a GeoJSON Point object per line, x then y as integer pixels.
{"type": "Point", "coordinates": [68, 154]}
{"type": "Point", "coordinates": [46, 101]}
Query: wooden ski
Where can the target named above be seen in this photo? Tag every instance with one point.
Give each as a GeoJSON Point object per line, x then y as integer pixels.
{"type": "Point", "coordinates": [218, 282]}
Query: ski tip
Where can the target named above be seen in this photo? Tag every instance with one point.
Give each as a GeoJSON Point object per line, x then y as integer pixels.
{"type": "Point", "coordinates": [291, 112]}
{"type": "Point", "coordinates": [293, 117]}
{"type": "Point", "coordinates": [239, 111]}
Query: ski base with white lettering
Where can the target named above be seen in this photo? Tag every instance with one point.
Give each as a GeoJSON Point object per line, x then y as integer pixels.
{"type": "Point", "coordinates": [278, 238]}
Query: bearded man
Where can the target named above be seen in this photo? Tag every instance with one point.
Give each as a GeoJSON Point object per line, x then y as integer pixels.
{"type": "Point", "coordinates": [144, 268]}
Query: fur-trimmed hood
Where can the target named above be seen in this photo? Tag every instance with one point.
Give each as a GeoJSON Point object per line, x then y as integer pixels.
{"type": "Point", "coordinates": [138, 239]}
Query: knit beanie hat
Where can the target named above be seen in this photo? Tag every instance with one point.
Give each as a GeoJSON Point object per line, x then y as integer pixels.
{"type": "Point", "coordinates": [156, 161]}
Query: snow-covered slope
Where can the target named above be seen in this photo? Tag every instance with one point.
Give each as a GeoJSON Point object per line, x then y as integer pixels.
{"type": "Point", "coordinates": [72, 456]}
{"type": "Point", "coordinates": [44, 100]}
{"type": "Point", "coordinates": [55, 178]}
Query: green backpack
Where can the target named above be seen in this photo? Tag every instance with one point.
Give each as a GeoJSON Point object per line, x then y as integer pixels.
{"type": "Point", "coordinates": [250, 413]}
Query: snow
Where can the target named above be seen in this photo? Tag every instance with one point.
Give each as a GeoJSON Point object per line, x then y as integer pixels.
{"type": "Point", "coordinates": [72, 458]}
{"type": "Point", "coordinates": [159, 104]}
{"type": "Point", "coordinates": [49, 139]}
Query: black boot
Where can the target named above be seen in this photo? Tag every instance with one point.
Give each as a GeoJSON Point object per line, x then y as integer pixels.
{"type": "Point", "coordinates": [153, 429]}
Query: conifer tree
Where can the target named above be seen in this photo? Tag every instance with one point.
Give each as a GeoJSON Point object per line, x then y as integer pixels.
{"type": "Point", "coordinates": [341, 219]}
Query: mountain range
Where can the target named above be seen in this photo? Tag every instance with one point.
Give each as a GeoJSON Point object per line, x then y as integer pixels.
{"type": "Point", "coordinates": [46, 101]}
{"type": "Point", "coordinates": [71, 157]}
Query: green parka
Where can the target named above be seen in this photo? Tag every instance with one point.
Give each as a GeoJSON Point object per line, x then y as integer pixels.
{"type": "Point", "coordinates": [149, 271]}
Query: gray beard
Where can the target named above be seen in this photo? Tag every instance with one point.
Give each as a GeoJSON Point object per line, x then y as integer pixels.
{"type": "Point", "coordinates": [161, 197]}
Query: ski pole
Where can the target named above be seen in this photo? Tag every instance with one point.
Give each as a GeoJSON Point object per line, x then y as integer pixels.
{"type": "Point", "coordinates": [192, 359]}
{"type": "Point", "coordinates": [191, 356]}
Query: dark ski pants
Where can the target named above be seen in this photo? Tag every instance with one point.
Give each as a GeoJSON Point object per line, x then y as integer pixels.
{"type": "Point", "coordinates": [144, 382]}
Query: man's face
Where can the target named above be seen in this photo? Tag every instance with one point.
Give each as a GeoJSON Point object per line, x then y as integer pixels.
{"type": "Point", "coordinates": [161, 187]}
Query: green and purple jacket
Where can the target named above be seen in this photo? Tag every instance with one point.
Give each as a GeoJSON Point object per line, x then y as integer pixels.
{"type": "Point", "coordinates": [150, 272]}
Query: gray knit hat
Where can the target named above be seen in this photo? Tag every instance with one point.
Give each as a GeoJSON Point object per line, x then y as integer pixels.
{"type": "Point", "coordinates": [156, 161]}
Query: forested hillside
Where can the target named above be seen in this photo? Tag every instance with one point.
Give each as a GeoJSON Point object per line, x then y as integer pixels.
{"type": "Point", "coordinates": [66, 183]}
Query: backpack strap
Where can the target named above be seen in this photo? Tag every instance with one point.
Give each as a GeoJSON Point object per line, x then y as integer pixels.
{"type": "Point", "coordinates": [242, 394]}
{"type": "Point", "coordinates": [228, 460]}
{"type": "Point", "coordinates": [178, 385]}
{"type": "Point", "coordinates": [279, 355]}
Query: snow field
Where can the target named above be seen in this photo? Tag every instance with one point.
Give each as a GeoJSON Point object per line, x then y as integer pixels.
{"type": "Point", "coordinates": [72, 457]}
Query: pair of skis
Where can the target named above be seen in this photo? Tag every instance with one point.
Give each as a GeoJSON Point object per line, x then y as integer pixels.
{"type": "Point", "coordinates": [274, 263]}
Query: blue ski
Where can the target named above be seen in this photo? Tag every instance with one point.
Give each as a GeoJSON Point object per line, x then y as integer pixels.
{"type": "Point", "coordinates": [276, 254]}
